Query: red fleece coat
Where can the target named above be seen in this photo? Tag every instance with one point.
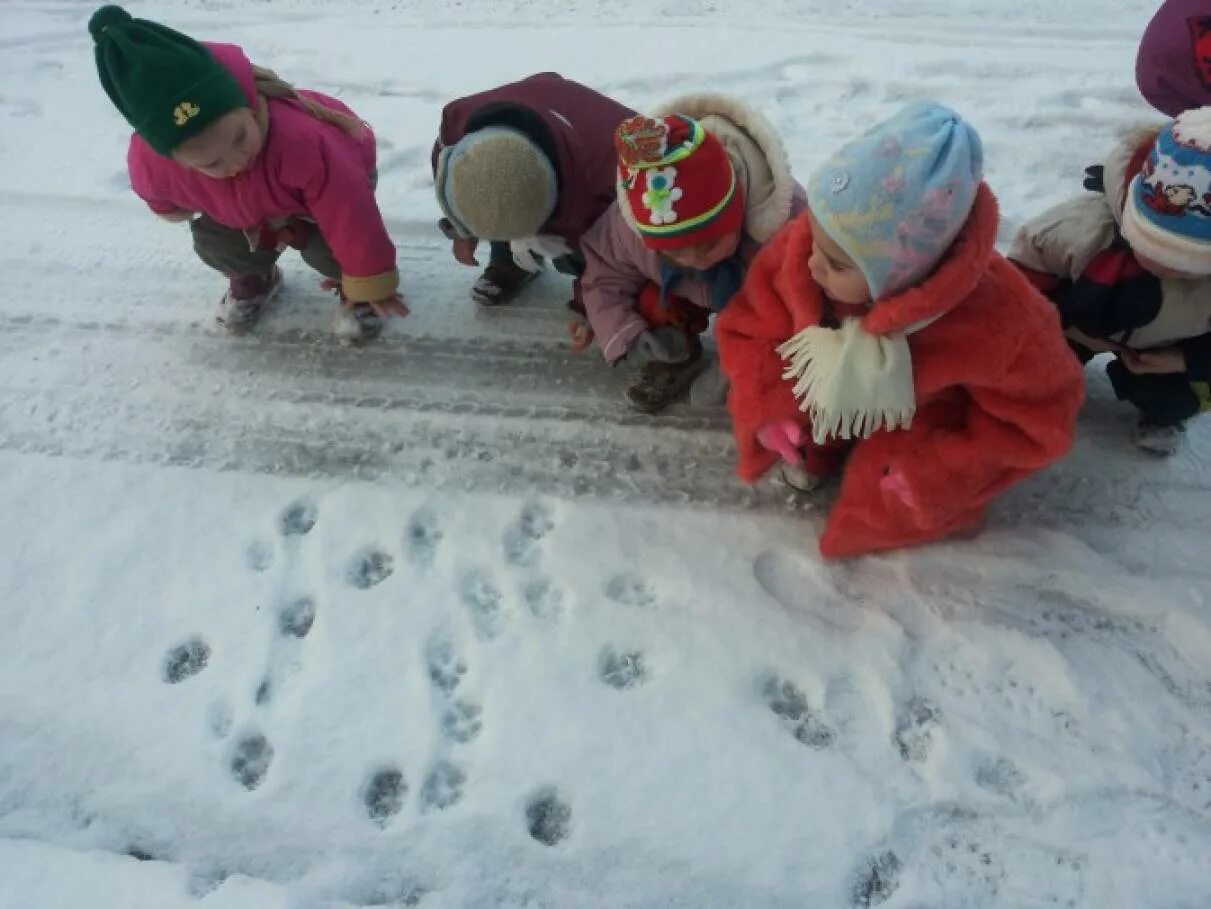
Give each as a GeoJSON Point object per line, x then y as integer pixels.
{"type": "Point", "coordinates": [997, 389]}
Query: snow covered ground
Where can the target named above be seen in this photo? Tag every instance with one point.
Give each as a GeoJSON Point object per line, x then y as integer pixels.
{"type": "Point", "coordinates": [441, 623]}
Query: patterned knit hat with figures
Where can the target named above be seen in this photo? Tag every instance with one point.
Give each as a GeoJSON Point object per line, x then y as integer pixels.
{"type": "Point", "coordinates": [676, 185]}
{"type": "Point", "coordinates": [1167, 215]}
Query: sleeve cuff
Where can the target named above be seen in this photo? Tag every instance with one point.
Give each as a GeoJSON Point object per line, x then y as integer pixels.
{"type": "Point", "coordinates": [372, 287]}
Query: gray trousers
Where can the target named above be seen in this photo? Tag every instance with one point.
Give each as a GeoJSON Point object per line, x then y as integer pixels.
{"type": "Point", "coordinates": [226, 250]}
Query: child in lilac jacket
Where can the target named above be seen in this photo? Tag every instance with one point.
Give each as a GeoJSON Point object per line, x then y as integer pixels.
{"type": "Point", "coordinates": [254, 166]}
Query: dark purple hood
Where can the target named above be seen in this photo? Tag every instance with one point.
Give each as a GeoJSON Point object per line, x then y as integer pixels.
{"type": "Point", "coordinates": [1173, 69]}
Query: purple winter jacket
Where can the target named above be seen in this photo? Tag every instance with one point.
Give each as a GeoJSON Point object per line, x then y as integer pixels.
{"type": "Point", "coordinates": [1173, 69]}
{"type": "Point", "coordinates": [574, 122]}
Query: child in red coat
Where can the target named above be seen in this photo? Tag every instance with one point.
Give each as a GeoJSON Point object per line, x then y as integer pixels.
{"type": "Point", "coordinates": [881, 331]}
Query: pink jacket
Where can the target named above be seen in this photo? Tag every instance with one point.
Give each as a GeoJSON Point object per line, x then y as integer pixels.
{"type": "Point", "coordinates": [307, 169]}
{"type": "Point", "coordinates": [618, 265]}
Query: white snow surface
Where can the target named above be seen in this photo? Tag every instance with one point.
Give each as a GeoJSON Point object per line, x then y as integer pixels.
{"type": "Point", "coordinates": [441, 623]}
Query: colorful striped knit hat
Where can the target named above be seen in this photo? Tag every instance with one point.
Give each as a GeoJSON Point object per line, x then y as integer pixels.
{"type": "Point", "coordinates": [676, 184]}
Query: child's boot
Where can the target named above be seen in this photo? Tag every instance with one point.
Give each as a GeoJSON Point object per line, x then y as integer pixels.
{"type": "Point", "coordinates": [501, 283]}
{"type": "Point", "coordinates": [356, 323]}
{"type": "Point", "coordinates": [659, 384]}
{"type": "Point", "coordinates": [246, 299]}
{"type": "Point", "coordinates": [1159, 440]}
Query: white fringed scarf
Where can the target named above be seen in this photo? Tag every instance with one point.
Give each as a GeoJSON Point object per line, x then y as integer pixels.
{"type": "Point", "coordinates": [849, 382]}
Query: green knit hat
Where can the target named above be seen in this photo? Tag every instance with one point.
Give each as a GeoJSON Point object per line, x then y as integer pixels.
{"type": "Point", "coordinates": [166, 85]}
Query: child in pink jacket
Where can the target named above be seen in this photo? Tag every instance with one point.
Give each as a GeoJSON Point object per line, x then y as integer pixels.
{"type": "Point", "coordinates": [254, 166]}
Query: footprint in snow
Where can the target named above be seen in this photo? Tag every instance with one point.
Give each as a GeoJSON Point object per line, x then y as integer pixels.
{"type": "Point", "coordinates": [250, 760]}
{"type": "Point", "coordinates": [622, 670]}
{"type": "Point", "coordinates": [296, 618]}
{"type": "Point", "coordinates": [384, 795]}
{"type": "Point", "coordinates": [369, 569]}
{"type": "Point", "coordinates": [535, 522]}
{"type": "Point", "coordinates": [548, 817]}
{"type": "Point", "coordinates": [544, 599]}
{"type": "Point", "coordinates": [461, 722]}
{"type": "Point", "coordinates": [219, 718]}
{"type": "Point", "coordinates": [914, 730]}
{"type": "Point", "coordinates": [444, 665]}
{"type": "Point", "coordinates": [1002, 777]}
{"type": "Point", "coordinates": [630, 590]}
{"type": "Point", "coordinates": [186, 660]}
{"type": "Point", "coordinates": [877, 881]}
{"type": "Point", "coordinates": [259, 556]}
{"type": "Point", "coordinates": [482, 598]}
{"type": "Point", "coordinates": [423, 537]}
{"type": "Point", "coordinates": [790, 705]}
{"type": "Point", "coordinates": [298, 518]}
{"type": "Point", "coordinates": [443, 787]}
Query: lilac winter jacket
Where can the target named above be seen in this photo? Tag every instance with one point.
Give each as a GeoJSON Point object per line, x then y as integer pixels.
{"type": "Point", "coordinates": [1173, 69]}
{"type": "Point", "coordinates": [618, 265]}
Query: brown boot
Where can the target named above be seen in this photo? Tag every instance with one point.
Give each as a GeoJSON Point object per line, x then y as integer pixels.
{"type": "Point", "coordinates": [659, 384]}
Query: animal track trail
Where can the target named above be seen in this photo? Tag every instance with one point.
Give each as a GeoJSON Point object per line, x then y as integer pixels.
{"type": "Point", "coordinates": [631, 590]}
{"type": "Point", "coordinates": [423, 537]}
{"type": "Point", "coordinates": [914, 734]}
{"type": "Point", "coordinates": [521, 541]}
{"type": "Point", "coordinates": [298, 519]}
{"type": "Point", "coordinates": [384, 795]}
{"type": "Point", "coordinates": [622, 670]}
{"type": "Point", "coordinates": [369, 568]}
{"type": "Point", "coordinates": [548, 817]}
{"type": "Point", "coordinates": [462, 722]}
{"type": "Point", "coordinates": [484, 603]}
{"type": "Point", "coordinates": [296, 618]}
{"type": "Point", "coordinates": [185, 660]}
{"type": "Point", "coordinates": [443, 787]}
{"type": "Point", "coordinates": [788, 702]}
{"type": "Point", "coordinates": [250, 760]}
{"type": "Point", "coordinates": [444, 665]}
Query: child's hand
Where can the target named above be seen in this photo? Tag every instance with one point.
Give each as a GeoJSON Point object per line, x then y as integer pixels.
{"type": "Point", "coordinates": [1162, 361]}
{"type": "Point", "coordinates": [784, 438]}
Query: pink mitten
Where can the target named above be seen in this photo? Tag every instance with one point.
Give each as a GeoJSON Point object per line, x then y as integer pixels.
{"type": "Point", "coordinates": [784, 438]}
{"type": "Point", "coordinates": [893, 485]}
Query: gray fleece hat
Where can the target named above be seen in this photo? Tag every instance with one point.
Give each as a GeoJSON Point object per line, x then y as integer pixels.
{"type": "Point", "coordinates": [496, 184]}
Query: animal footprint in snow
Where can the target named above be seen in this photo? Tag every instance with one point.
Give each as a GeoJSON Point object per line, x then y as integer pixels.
{"type": "Point", "coordinates": [424, 535]}
{"type": "Point", "coordinates": [250, 760]}
{"type": "Point", "coordinates": [297, 617]}
{"type": "Point", "coordinates": [790, 705]}
{"type": "Point", "coordinates": [219, 717]}
{"type": "Point", "coordinates": [548, 817]}
{"type": "Point", "coordinates": [1001, 776]}
{"type": "Point", "coordinates": [443, 787]}
{"type": "Point", "coordinates": [384, 795]}
{"type": "Point", "coordinates": [369, 569]}
{"type": "Point", "coordinates": [622, 670]}
{"type": "Point", "coordinates": [630, 590]}
{"type": "Point", "coordinates": [259, 556]}
{"type": "Point", "coordinates": [534, 523]}
{"type": "Point", "coordinates": [544, 599]}
{"type": "Point", "coordinates": [186, 660]}
{"type": "Point", "coordinates": [461, 722]}
{"type": "Point", "coordinates": [298, 519]}
{"type": "Point", "coordinates": [483, 600]}
{"type": "Point", "coordinates": [875, 883]}
{"type": "Point", "coordinates": [446, 668]}
{"type": "Point", "coordinates": [914, 730]}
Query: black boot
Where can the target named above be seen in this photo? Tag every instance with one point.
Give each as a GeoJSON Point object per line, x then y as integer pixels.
{"type": "Point", "coordinates": [500, 283]}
